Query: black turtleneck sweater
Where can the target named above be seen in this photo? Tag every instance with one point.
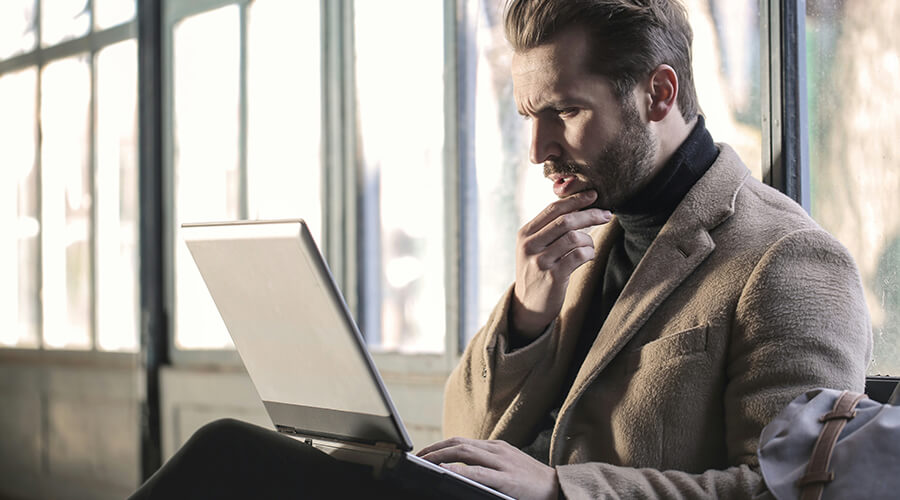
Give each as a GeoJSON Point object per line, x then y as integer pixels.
{"type": "Point", "coordinates": [641, 218]}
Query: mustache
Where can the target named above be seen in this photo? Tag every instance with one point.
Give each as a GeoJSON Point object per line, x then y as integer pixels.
{"type": "Point", "coordinates": [564, 168]}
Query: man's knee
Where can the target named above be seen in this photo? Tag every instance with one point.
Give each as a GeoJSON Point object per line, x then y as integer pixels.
{"type": "Point", "coordinates": [224, 430]}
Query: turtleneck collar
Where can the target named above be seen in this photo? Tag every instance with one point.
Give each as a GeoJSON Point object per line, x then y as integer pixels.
{"type": "Point", "coordinates": [643, 216]}
{"type": "Point", "coordinates": [683, 169]}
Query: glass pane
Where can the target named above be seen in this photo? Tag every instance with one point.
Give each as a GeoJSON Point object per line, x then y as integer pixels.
{"type": "Point", "coordinates": [63, 20]}
{"type": "Point", "coordinates": [284, 115]}
{"type": "Point", "coordinates": [109, 13]}
{"type": "Point", "coordinates": [19, 250]}
{"type": "Point", "coordinates": [115, 185]}
{"type": "Point", "coordinates": [207, 180]}
{"type": "Point", "coordinates": [853, 74]}
{"type": "Point", "coordinates": [726, 62]}
{"type": "Point", "coordinates": [401, 122]}
{"type": "Point", "coordinates": [66, 204]}
{"type": "Point", "coordinates": [17, 27]}
{"type": "Point", "coordinates": [511, 191]}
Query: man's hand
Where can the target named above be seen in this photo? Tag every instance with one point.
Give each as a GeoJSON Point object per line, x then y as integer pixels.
{"type": "Point", "coordinates": [496, 464]}
{"type": "Point", "coordinates": [548, 250]}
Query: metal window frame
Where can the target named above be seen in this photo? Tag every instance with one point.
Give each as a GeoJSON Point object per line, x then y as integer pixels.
{"type": "Point", "coordinates": [784, 101]}
{"type": "Point", "coordinates": [154, 332]}
{"type": "Point", "coordinates": [342, 228]}
{"type": "Point", "coordinates": [171, 13]}
{"type": "Point", "coordinates": [39, 57]}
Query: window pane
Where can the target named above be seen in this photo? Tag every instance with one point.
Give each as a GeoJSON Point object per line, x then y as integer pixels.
{"type": "Point", "coordinates": [511, 191]}
{"type": "Point", "coordinates": [207, 184]}
{"type": "Point", "coordinates": [853, 75]}
{"type": "Point", "coordinates": [399, 71]}
{"type": "Point", "coordinates": [116, 240]}
{"type": "Point", "coordinates": [19, 250]}
{"type": "Point", "coordinates": [17, 27]}
{"type": "Point", "coordinates": [283, 144]}
{"type": "Point", "coordinates": [109, 13]}
{"type": "Point", "coordinates": [66, 204]}
{"type": "Point", "coordinates": [726, 62]}
{"type": "Point", "coordinates": [63, 20]}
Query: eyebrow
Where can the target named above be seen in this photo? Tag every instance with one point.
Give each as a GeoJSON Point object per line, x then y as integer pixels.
{"type": "Point", "coordinates": [550, 106]}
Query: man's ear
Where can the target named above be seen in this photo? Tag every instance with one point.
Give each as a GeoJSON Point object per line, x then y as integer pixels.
{"type": "Point", "coordinates": [663, 92]}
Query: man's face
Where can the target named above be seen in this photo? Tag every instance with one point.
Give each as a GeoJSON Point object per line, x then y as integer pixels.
{"type": "Point", "coordinates": [585, 136]}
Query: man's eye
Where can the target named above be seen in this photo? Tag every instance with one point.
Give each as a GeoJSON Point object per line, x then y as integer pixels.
{"type": "Point", "coordinates": [567, 112]}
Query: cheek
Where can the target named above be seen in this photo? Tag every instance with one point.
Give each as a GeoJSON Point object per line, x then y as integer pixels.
{"type": "Point", "coordinates": [588, 137]}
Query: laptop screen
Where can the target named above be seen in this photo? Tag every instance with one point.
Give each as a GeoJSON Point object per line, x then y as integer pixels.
{"type": "Point", "coordinates": [288, 321]}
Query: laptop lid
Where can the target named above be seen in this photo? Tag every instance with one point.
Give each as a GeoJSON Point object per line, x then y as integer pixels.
{"type": "Point", "coordinates": [294, 332]}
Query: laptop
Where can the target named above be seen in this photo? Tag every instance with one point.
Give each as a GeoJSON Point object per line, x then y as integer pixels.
{"type": "Point", "coordinates": [304, 352]}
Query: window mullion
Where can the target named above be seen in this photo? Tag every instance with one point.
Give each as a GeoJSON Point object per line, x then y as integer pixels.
{"type": "Point", "coordinates": [93, 321]}
{"type": "Point", "coordinates": [244, 189]}
{"type": "Point", "coordinates": [795, 129]}
{"type": "Point", "coordinates": [154, 245]}
{"type": "Point", "coordinates": [338, 162]}
{"type": "Point", "coordinates": [785, 136]}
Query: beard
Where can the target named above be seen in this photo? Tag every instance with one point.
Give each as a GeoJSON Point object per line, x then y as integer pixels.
{"type": "Point", "coordinates": [621, 169]}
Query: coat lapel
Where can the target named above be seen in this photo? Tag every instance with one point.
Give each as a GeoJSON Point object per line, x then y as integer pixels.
{"type": "Point", "coordinates": [683, 244]}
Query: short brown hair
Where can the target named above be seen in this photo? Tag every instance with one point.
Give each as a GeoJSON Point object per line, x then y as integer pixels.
{"type": "Point", "coordinates": [629, 38]}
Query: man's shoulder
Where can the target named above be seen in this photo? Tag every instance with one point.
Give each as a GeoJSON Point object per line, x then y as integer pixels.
{"type": "Point", "coordinates": [755, 204]}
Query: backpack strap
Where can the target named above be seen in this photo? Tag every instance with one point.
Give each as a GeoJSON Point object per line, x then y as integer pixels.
{"type": "Point", "coordinates": [817, 475]}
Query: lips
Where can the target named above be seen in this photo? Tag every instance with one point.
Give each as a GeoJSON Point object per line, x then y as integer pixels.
{"type": "Point", "coordinates": [566, 185]}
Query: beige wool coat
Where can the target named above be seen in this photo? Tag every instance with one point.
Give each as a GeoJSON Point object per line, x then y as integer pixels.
{"type": "Point", "coordinates": [740, 304]}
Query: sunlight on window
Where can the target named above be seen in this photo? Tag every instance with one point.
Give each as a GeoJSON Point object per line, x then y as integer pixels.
{"type": "Point", "coordinates": [66, 204]}
{"type": "Point", "coordinates": [63, 20]}
{"type": "Point", "coordinates": [17, 33]}
{"type": "Point", "coordinates": [109, 13]}
{"type": "Point", "coordinates": [115, 182]}
{"type": "Point", "coordinates": [206, 118]}
{"type": "Point", "coordinates": [284, 112]}
{"type": "Point", "coordinates": [19, 311]}
{"type": "Point", "coordinates": [853, 76]}
{"type": "Point", "coordinates": [400, 90]}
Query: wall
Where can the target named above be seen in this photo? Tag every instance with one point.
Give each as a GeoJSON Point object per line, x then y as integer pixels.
{"type": "Point", "coordinates": [70, 430]}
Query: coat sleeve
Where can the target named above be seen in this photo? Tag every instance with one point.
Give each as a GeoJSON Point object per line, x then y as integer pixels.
{"type": "Point", "coordinates": [801, 322]}
{"type": "Point", "coordinates": [489, 380]}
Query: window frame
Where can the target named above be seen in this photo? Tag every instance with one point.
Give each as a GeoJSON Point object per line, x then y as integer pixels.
{"type": "Point", "coordinates": [39, 57]}
{"type": "Point", "coordinates": [342, 242]}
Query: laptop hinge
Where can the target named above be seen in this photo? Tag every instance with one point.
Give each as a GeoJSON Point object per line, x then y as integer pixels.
{"type": "Point", "coordinates": [379, 455]}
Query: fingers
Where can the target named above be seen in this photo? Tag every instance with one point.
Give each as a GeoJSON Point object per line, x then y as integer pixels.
{"type": "Point", "coordinates": [472, 452]}
{"type": "Point", "coordinates": [572, 241]}
{"type": "Point", "coordinates": [568, 205]}
{"type": "Point", "coordinates": [483, 475]}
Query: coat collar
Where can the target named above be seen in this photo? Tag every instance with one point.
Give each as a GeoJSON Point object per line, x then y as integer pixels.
{"type": "Point", "coordinates": [682, 244]}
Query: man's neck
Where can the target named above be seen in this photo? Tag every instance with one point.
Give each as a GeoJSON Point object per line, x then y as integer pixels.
{"type": "Point", "coordinates": [672, 133]}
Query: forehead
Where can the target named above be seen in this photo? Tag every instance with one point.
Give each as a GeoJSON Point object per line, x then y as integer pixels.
{"type": "Point", "coordinates": [554, 71]}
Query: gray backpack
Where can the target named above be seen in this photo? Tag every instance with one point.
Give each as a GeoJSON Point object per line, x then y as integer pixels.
{"type": "Point", "coordinates": [833, 444]}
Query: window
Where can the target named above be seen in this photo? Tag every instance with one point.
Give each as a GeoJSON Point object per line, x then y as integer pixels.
{"type": "Point", "coordinates": [400, 95]}
{"type": "Point", "coordinates": [853, 69]}
{"type": "Point", "coordinates": [70, 176]}
{"type": "Point", "coordinates": [245, 132]}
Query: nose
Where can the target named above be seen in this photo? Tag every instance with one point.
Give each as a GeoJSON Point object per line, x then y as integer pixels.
{"type": "Point", "coordinates": [544, 143]}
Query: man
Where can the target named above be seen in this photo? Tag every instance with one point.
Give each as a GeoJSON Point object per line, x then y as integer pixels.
{"type": "Point", "coordinates": [639, 361]}
{"type": "Point", "coordinates": [643, 360]}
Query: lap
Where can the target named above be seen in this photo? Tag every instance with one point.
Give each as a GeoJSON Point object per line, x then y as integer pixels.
{"type": "Point", "coordinates": [232, 459]}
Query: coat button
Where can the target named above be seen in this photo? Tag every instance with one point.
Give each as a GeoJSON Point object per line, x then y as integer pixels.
{"type": "Point", "coordinates": [483, 372]}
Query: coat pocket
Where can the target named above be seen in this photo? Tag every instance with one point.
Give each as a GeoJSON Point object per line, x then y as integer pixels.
{"type": "Point", "coordinates": [668, 347]}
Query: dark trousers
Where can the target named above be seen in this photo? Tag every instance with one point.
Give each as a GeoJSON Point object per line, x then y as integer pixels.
{"type": "Point", "coordinates": [231, 459]}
